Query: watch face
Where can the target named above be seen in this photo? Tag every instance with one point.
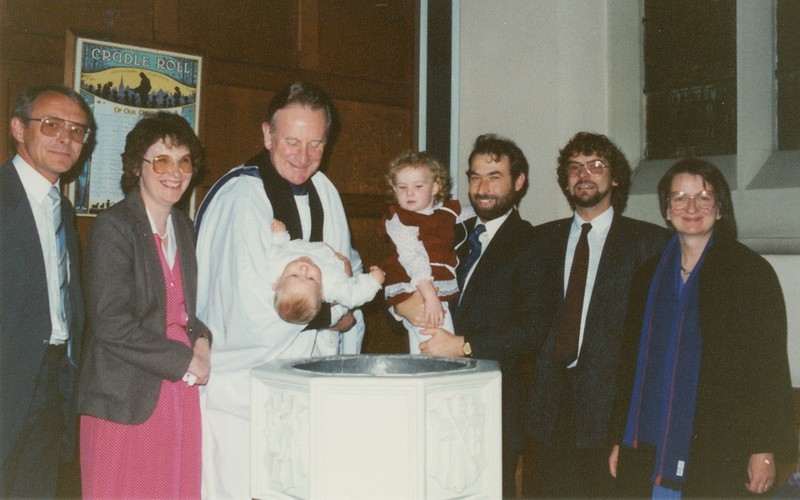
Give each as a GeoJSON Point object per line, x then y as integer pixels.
{"type": "Point", "coordinates": [467, 349]}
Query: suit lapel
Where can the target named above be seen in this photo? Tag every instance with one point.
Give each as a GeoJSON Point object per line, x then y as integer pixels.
{"type": "Point", "coordinates": [561, 250]}
{"type": "Point", "coordinates": [614, 259]}
{"type": "Point", "coordinates": [481, 279]}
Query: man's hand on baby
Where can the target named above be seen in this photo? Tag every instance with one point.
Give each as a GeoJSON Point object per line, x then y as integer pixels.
{"type": "Point", "coordinates": [377, 274]}
{"type": "Point", "coordinates": [347, 268]}
{"type": "Point", "coordinates": [278, 226]}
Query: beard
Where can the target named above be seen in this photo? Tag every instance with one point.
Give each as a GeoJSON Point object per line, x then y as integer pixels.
{"type": "Point", "coordinates": [502, 205]}
{"type": "Point", "coordinates": [587, 202]}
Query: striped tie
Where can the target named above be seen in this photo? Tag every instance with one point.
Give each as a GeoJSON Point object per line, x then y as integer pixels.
{"type": "Point", "coordinates": [61, 252]}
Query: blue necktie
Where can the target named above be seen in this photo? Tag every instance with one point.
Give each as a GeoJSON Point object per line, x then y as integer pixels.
{"type": "Point", "coordinates": [474, 252]}
{"type": "Point", "coordinates": [63, 258]}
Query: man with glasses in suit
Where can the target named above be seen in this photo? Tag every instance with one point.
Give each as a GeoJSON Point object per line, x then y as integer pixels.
{"type": "Point", "coordinates": [41, 307]}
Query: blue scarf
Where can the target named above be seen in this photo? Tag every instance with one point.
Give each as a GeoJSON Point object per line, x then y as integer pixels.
{"type": "Point", "coordinates": [665, 388]}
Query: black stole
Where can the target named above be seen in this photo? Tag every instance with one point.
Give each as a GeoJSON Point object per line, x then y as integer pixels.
{"type": "Point", "coordinates": [284, 207]}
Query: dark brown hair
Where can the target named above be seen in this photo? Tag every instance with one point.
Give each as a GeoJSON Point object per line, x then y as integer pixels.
{"type": "Point", "coordinates": [712, 176]}
{"type": "Point", "coordinates": [171, 128]}
{"type": "Point", "coordinates": [587, 143]}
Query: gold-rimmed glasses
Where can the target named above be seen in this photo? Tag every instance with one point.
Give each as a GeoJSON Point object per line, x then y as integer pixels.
{"type": "Point", "coordinates": [164, 163]}
{"type": "Point", "coordinates": [52, 127]}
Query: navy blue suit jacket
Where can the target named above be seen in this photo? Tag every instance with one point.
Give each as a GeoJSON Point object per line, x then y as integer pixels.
{"type": "Point", "coordinates": [499, 316]}
{"type": "Point", "coordinates": [24, 309]}
{"type": "Point", "coordinates": [629, 244]}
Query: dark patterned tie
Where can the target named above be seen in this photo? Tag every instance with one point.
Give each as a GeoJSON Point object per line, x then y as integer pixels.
{"type": "Point", "coordinates": [474, 252]}
{"type": "Point", "coordinates": [569, 326]}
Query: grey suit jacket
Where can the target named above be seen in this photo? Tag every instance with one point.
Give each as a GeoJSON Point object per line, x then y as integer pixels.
{"type": "Point", "coordinates": [24, 309]}
{"type": "Point", "coordinates": [128, 353]}
{"type": "Point", "coordinates": [629, 244]}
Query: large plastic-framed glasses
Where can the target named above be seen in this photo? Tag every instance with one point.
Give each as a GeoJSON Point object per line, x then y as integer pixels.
{"type": "Point", "coordinates": [594, 167]}
{"type": "Point", "coordinates": [52, 127]}
{"type": "Point", "coordinates": [163, 164]}
{"type": "Point", "coordinates": [704, 200]}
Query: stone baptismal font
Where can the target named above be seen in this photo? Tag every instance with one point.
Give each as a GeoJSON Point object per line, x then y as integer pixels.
{"type": "Point", "coordinates": [376, 426]}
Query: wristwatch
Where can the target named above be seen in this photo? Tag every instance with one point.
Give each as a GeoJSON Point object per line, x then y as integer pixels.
{"type": "Point", "coordinates": [466, 349]}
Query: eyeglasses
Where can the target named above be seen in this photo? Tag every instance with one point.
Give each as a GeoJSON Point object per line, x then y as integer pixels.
{"type": "Point", "coordinates": [163, 164]}
{"type": "Point", "coordinates": [704, 200]}
{"type": "Point", "coordinates": [52, 127]}
{"type": "Point", "coordinates": [593, 167]}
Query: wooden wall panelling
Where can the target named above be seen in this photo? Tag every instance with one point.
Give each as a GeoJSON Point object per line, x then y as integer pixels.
{"type": "Point", "coordinates": [19, 76]}
{"type": "Point", "coordinates": [245, 31]}
{"type": "Point", "coordinates": [370, 135]}
{"type": "Point", "coordinates": [371, 40]}
{"type": "Point", "coordinates": [308, 34]}
{"type": "Point", "coordinates": [122, 18]}
{"type": "Point", "coordinates": [233, 129]}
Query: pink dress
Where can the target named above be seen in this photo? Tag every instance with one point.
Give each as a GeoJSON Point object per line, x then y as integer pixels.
{"type": "Point", "coordinates": [160, 458]}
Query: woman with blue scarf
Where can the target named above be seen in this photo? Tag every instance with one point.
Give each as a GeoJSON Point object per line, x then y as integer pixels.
{"type": "Point", "coordinates": [703, 401]}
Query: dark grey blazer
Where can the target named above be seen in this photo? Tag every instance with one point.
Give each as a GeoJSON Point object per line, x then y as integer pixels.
{"type": "Point", "coordinates": [128, 353]}
{"type": "Point", "coordinates": [628, 245]}
{"type": "Point", "coordinates": [24, 311]}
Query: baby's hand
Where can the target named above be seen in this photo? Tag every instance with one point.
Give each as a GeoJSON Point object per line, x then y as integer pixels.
{"type": "Point", "coordinates": [278, 226]}
{"type": "Point", "coordinates": [377, 274]}
{"type": "Point", "coordinates": [434, 313]}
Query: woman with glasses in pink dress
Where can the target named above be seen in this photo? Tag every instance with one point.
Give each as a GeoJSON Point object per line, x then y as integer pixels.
{"type": "Point", "coordinates": [147, 351]}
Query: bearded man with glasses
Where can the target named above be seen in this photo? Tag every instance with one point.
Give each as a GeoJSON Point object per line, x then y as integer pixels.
{"type": "Point", "coordinates": [41, 306]}
{"type": "Point", "coordinates": [591, 257]}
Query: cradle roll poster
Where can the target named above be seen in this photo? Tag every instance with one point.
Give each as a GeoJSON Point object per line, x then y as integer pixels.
{"type": "Point", "coordinates": [122, 83]}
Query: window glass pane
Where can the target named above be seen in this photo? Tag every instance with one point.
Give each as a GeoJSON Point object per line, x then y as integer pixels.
{"type": "Point", "coordinates": [788, 74]}
{"type": "Point", "coordinates": [690, 77]}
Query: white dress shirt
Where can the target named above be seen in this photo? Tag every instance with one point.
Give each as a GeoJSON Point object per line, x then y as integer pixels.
{"type": "Point", "coordinates": [37, 189]}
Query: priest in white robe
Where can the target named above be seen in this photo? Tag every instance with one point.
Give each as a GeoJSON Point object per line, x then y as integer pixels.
{"type": "Point", "coordinates": [234, 236]}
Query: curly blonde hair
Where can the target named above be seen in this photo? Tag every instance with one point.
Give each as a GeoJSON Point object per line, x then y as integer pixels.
{"type": "Point", "coordinates": [421, 159]}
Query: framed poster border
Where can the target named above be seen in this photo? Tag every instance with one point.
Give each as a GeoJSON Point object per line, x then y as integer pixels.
{"type": "Point", "coordinates": [122, 81]}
